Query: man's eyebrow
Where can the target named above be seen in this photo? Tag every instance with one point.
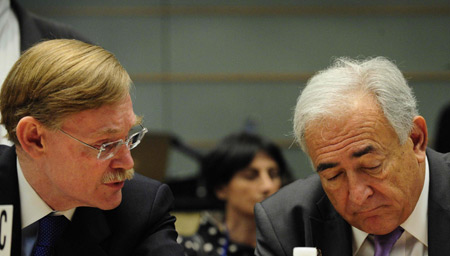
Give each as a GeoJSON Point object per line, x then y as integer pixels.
{"type": "Point", "coordinates": [364, 151]}
{"type": "Point", "coordinates": [325, 166]}
{"type": "Point", "coordinates": [109, 131]}
{"type": "Point", "coordinates": [139, 120]}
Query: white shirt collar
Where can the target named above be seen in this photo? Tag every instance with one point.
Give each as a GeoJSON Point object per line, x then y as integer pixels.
{"type": "Point", "coordinates": [417, 222]}
{"type": "Point", "coordinates": [32, 206]}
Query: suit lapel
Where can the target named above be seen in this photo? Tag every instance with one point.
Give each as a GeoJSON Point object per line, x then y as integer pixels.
{"type": "Point", "coordinates": [438, 204]}
{"type": "Point", "coordinates": [438, 229]}
{"type": "Point", "coordinates": [331, 233]}
{"type": "Point", "coordinates": [86, 235]}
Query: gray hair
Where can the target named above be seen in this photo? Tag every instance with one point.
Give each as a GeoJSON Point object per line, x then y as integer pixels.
{"type": "Point", "coordinates": [327, 94]}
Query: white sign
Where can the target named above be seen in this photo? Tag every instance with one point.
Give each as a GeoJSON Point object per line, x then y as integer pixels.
{"type": "Point", "coordinates": [305, 251]}
{"type": "Point", "coordinates": [6, 220]}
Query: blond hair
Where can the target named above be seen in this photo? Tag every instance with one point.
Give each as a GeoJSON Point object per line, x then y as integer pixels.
{"type": "Point", "coordinates": [57, 78]}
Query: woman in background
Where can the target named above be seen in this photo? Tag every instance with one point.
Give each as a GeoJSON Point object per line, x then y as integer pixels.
{"type": "Point", "coordinates": [242, 170]}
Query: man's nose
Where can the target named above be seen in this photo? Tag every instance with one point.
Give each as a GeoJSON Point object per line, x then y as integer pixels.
{"type": "Point", "coordinates": [358, 188]}
{"type": "Point", "coordinates": [123, 158]}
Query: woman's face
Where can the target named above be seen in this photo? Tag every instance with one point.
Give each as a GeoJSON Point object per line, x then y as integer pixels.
{"type": "Point", "coordinates": [260, 179]}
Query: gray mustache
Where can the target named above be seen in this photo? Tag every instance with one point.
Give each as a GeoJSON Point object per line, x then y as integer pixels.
{"type": "Point", "coordinates": [118, 176]}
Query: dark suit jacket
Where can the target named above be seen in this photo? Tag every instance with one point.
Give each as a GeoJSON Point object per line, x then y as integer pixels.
{"type": "Point", "coordinates": [442, 139]}
{"type": "Point", "coordinates": [141, 225]}
{"type": "Point", "coordinates": [300, 215]}
{"type": "Point", "coordinates": [34, 29]}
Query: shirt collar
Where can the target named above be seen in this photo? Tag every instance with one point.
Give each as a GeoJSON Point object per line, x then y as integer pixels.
{"type": "Point", "coordinates": [416, 224]}
{"type": "Point", "coordinates": [32, 206]}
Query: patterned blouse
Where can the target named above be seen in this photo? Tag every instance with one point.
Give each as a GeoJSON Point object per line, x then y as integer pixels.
{"type": "Point", "coordinates": [212, 240]}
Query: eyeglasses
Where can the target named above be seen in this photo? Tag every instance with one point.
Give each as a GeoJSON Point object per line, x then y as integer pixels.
{"type": "Point", "coordinates": [108, 150]}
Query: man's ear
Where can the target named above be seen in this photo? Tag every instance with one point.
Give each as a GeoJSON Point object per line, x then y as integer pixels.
{"type": "Point", "coordinates": [419, 137]}
{"type": "Point", "coordinates": [29, 132]}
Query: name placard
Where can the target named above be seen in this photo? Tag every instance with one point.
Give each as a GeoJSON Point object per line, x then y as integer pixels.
{"type": "Point", "coordinates": [6, 220]}
{"type": "Point", "coordinates": [306, 251]}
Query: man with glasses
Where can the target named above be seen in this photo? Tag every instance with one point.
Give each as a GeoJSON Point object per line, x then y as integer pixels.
{"type": "Point", "coordinates": [67, 108]}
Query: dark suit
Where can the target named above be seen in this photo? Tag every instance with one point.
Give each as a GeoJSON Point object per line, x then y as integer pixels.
{"type": "Point", "coordinates": [300, 215]}
{"type": "Point", "coordinates": [34, 29]}
{"type": "Point", "coordinates": [442, 139]}
{"type": "Point", "coordinates": [141, 225]}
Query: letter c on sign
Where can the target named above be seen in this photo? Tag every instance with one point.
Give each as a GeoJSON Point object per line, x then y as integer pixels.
{"type": "Point", "coordinates": [2, 216]}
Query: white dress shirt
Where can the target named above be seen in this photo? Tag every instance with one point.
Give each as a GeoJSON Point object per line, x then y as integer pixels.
{"type": "Point", "coordinates": [9, 48]}
{"type": "Point", "coordinates": [413, 241]}
{"type": "Point", "coordinates": [33, 208]}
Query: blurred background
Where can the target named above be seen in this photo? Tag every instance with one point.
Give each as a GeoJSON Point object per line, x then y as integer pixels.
{"type": "Point", "coordinates": [204, 69]}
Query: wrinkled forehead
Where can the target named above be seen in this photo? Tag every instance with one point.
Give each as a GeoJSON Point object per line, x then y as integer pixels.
{"type": "Point", "coordinates": [341, 109]}
{"type": "Point", "coordinates": [364, 120]}
{"type": "Point", "coordinates": [108, 118]}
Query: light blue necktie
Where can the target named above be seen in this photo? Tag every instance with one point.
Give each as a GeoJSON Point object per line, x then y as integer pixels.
{"type": "Point", "coordinates": [50, 230]}
{"type": "Point", "coordinates": [384, 243]}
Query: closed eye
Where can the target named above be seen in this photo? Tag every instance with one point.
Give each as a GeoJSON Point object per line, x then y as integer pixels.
{"type": "Point", "coordinates": [372, 168]}
{"type": "Point", "coordinates": [334, 177]}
